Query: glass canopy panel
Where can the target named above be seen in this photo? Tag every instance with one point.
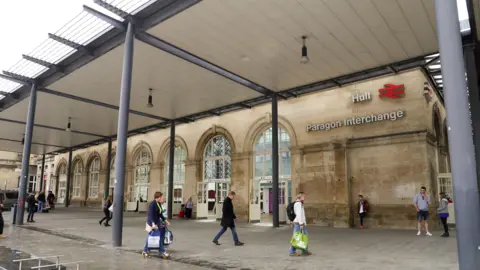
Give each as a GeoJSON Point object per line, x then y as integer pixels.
{"type": "Point", "coordinates": [130, 6]}
{"type": "Point", "coordinates": [27, 69]}
{"type": "Point", "coordinates": [8, 86]}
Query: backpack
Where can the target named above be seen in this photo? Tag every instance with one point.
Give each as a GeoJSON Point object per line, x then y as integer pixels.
{"type": "Point", "coordinates": [290, 211]}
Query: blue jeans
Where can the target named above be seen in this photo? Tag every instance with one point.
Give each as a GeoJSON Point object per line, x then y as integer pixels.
{"type": "Point", "coordinates": [223, 230]}
{"type": "Point", "coordinates": [162, 239]}
{"type": "Point", "coordinates": [40, 207]}
{"type": "Point", "coordinates": [296, 228]}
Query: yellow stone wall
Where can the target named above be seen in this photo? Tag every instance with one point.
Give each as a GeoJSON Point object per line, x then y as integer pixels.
{"type": "Point", "coordinates": [386, 161]}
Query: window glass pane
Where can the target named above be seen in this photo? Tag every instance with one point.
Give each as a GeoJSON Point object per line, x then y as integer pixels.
{"type": "Point", "coordinates": [218, 169]}
{"type": "Point", "coordinates": [228, 168]}
{"type": "Point", "coordinates": [259, 166]}
{"type": "Point", "coordinates": [208, 169]}
{"type": "Point", "coordinates": [285, 164]}
{"type": "Point", "coordinates": [268, 165]}
{"type": "Point", "coordinates": [228, 150]}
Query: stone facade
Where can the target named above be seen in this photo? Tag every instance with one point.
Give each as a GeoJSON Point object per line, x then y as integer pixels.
{"type": "Point", "coordinates": [387, 161]}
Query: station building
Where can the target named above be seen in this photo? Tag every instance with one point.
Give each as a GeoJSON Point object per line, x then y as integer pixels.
{"type": "Point", "coordinates": [383, 138]}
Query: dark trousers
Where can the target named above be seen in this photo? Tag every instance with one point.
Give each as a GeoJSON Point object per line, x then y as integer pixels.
{"type": "Point", "coordinates": [188, 212]}
{"type": "Point", "coordinates": [362, 215]}
{"type": "Point", "coordinates": [1, 222]}
{"type": "Point", "coordinates": [223, 230]}
{"type": "Point", "coordinates": [445, 225]}
{"type": "Point", "coordinates": [31, 212]}
{"type": "Point", "coordinates": [107, 217]}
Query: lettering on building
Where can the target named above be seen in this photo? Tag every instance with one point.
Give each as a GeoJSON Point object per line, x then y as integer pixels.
{"type": "Point", "coordinates": [360, 97]}
{"type": "Point", "coordinates": [357, 120]}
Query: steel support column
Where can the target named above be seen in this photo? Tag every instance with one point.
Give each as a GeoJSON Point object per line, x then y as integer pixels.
{"type": "Point", "coordinates": [275, 189]}
{"type": "Point", "coordinates": [171, 164]}
{"type": "Point", "coordinates": [122, 134]}
{"type": "Point", "coordinates": [69, 177]}
{"type": "Point", "coordinates": [42, 173]}
{"type": "Point", "coordinates": [109, 163]}
{"type": "Point", "coordinates": [462, 156]}
{"type": "Point", "coordinates": [474, 99]}
{"type": "Point", "coordinates": [26, 154]}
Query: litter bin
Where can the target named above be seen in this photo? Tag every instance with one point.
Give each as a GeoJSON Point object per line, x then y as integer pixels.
{"type": "Point", "coordinates": [13, 214]}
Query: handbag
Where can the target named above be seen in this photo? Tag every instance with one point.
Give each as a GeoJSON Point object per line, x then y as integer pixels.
{"type": "Point", "coordinates": [153, 240]}
{"type": "Point", "coordinates": [168, 237]}
{"type": "Point", "coordinates": [299, 240]}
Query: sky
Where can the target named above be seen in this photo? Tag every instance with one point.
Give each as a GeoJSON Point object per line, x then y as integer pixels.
{"type": "Point", "coordinates": [24, 24]}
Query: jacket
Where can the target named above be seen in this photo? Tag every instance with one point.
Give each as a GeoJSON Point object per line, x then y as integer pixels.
{"type": "Point", "coordinates": [41, 197]}
{"type": "Point", "coordinates": [107, 204]}
{"type": "Point", "coordinates": [228, 216]}
{"type": "Point", "coordinates": [51, 198]}
{"type": "Point", "coordinates": [31, 200]}
{"type": "Point", "coordinates": [443, 207]}
{"type": "Point", "coordinates": [155, 214]}
{"type": "Point", "coordinates": [365, 206]}
{"type": "Point", "coordinates": [299, 213]}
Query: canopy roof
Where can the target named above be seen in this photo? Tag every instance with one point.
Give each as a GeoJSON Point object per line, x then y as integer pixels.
{"type": "Point", "coordinates": [205, 58]}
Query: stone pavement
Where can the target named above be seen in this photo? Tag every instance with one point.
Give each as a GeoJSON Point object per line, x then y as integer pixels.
{"type": "Point", "coordinates": [77, 234]}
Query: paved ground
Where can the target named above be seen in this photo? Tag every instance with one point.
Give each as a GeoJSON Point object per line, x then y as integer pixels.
{"type": "Point", "coordinates": [77, 235]}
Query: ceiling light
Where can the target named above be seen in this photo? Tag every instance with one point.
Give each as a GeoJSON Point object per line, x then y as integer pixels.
{"type": "Point", "coordinates": [69, 125]}
{"type": "Point", "coordinates": [304, 58]}
{"type": "Point", "coordinates": [150, 99]}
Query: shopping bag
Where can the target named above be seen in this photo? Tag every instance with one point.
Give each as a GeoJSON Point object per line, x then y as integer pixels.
{"type": "Point", "coordinates": [110, 208]}
{"type": "Point", "coordinates": [168, 237]}
{"type": "Point", "coordinates": [153, 240]}
{"type": "Point", "coordinates": [299, 240]}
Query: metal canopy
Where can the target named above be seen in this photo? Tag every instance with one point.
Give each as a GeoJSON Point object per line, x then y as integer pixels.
{"type": "Point", "coordinates": [201, 62]}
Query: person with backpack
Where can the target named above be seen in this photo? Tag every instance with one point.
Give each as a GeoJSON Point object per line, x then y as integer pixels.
{"type": "Point", "coordinates": [443, 213]}
{"type": "Point", "coordinates": [106, 212]}
{"type": "Point", "coordinates": [362, 209]}
{"type": "Point", "coordinates": [296, 214]}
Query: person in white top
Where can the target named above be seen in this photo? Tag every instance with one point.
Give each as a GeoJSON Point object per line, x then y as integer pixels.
{"type": "Point", "coordinates": [300, 222]}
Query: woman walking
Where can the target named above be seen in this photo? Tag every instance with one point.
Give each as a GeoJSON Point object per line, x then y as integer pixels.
{"type": "Point", "coordinates": [443, 213]}
{"type": "Point", "coordinates": [106, 211]}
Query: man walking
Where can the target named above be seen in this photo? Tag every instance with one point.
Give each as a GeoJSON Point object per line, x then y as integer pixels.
{"type": "Point", "coordinates": [228, 220]}
{"type": "Point", "coordinates": [299, 223]}
{"type": "Point", "coordinates": [362, 209]}
{"type": "Point", "coordinates": [421, 202]}
{"type": "Point", "coordinates": [31, 207]}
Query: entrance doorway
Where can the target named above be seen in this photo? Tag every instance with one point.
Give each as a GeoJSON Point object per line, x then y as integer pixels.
{"type": "Point", "coordinates": [261, 205]}
{"type": "Point", "coordinates": [445, 185]}
{"type": "Point", "coordinates": [210, 197]}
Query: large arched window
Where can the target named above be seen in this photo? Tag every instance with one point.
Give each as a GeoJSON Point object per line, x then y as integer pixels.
{"type": "Point", "coordinates": [142, 175]}
{"type": "Point", "coordinates": [62, 182]}
{"type": "Point", "coordinates": [263, 163]}
{"type": "Point", "coordinates": [178, 172]}
{"type": "Point", "coordinates": [77, 178]}
{"type": "Point", "coordinates": [93, 178]}
{"type": "Point", "coordinates": [217, 163]}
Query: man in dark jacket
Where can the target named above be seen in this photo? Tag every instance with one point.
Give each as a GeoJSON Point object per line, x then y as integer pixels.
{"type": "Point", "coordinates": [228, 220]}
{"type": "Point", "coordinates": [31, 207]}
{"type": "Point", "coordinates": [41, 201]}
{"type": "Point", "coordinates": [51, 199]}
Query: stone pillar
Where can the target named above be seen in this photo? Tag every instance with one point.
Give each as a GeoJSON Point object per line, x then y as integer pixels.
{"type": "Point", "coordinates": [154, 184]}
{"type": "Point", "coordinates": [241, 183]}
{"type": "Point", "coordinates": [192, 173]}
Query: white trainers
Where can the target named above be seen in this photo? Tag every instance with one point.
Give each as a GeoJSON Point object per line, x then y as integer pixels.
{"type": "Point", "coordinates": [419, 233]}
{"type": "Point", "coordinates": [429, 234]}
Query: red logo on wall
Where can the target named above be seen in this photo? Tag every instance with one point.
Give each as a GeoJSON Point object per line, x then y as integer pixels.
{"type": "Point", "coordinates": [392, 90]}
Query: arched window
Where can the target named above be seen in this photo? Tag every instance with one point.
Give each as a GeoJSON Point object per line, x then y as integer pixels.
{"type": "Point", "coordinates": [62, 183]}
{"type": "Point", "coordinates": [94, 181]}
{"type": "Point", "coordinates": [217, 163]}
{"type": "Point", "coordinates": [142, 175]}
{"type": "Point", "coordinates": [178, 172]}
{"type": "Point", "coordinates": [77, 179]}
{"type": "Point", "coordinates": [263, 163]}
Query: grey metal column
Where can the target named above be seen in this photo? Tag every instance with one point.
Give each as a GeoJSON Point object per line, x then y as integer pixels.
{"type": "Point", "coordinates": [474, 99]}
{"type": "Point", "coordinates": [26, 155]}
{"type": "Point", "coordinates": [42, 173]}
{"type": "Point", "coordinates": [69, 177]}
{"type": "Point", "coordinates": [462, 156]}
{"type": "Point", "coordinates": [275, 157]}
{"type": "Point", "coordinates": [171, 164]}
{"type": "Point", "coordinates": [109, 162]}
{"type": "Point", "coordinates": [122, 137]}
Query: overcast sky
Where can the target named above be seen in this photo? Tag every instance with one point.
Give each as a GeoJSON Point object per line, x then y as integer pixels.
{"type": "Point", "coordinates": [24, 24]}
